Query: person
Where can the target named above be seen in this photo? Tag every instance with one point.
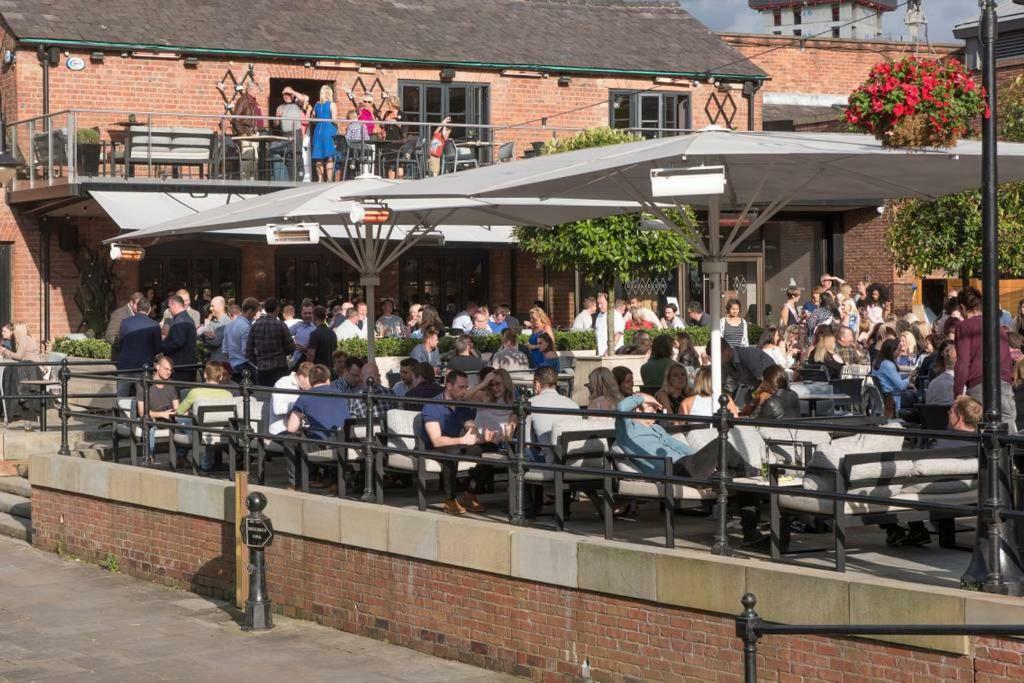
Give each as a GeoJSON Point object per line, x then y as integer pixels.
{"type": "Point", "coordinates": [499, 322]}
{"type": "Point", "coordinates": [686, 352]}
{"type": "Point", "coordinates": [670, 319]}
{"type": "Point", "coordinates": [7, 336]}
{"type": "Point", "coordinates": [646, 313]}
{"type": "Point", "coordinates": [323, 152]}
{"type": "Point", "coordinates": [118, 316]}
{"type": "Point", "coordinates": [426, 351]}
{"type": "Point", "coordinates": [355, 131]}
{"type": "Point", "coordinates": [349, 375]}
{"type": "Point", "coordinates": [248, 121]}
{"type": "Point", "coordinates": [624, 380]}
{"type": "Point", "coordinates": [790, 315]}
{"type": "Point", "coordinates": [906, 352]}
{"type": "Point", "coordinates": [652, 373]}
{"type": "Point", "coordinates": [383, 397]}
{"type": "Point", "coordinates": [495, 387]}
{"type": "Point", "coordinates": [965, 414]}
{"type": "Point", "coordinates": [875, 306]}
{"type": "Point", "coordinates": [637, 321]}
{"type": "Point", "coordinates": [289, 115]}
{"type": "Point", "coordinates": [509, 357]}
{"type": "Point", "coordinates": [831, 283]}
{"type": "Point", "coordinates": [732, 326]}
{"type": "Point", "coordinates": [481, 324]}
{"type": "Point", "coordinates": [549, 354]}
{"type": "Point", "coordinates": [269, 345]}
{"type": "Point", "coordinates": [603, 390]}
{"type": "Point", "coordinates": [1018, 392]}
{"type": "Point", "coordinates": [824, 353]}
{"type": "Point", "coordinates": [848, 349]}
{"type": "Point", "coordinates": [424, 384]}
{"type": "Point", "coordinates": [413, 322]}
{"type": "Point", "coordinates": [350, 328]}
{"type": "Point", "coordinates": [180, 343]}
{"type": "Point", "coordinates": [323, 412]}
{"type": "Point", "coordinates": [301, 331]}
{"type": "Point", "coordinates": [281, 404]}
{"type": "Point", "coordinates": [451, 429]}
{"type": "Point", "coordinates": [430, 319]}
{"type": "Point", "coordinates": [641, 345]}
{"type": "Point", "coordinates": [322, 341]}
{"type": "Point", "coordinates": [162, 399]}
{"type": "Point", "coordinates": [140, 338]}
{"type": "Point", "coordinates": [601, 326]}
{"type": "Point", "coordinates": [363, 313]}
{"type": "Point", "coordinates": [950, 311]}
{"type": "Point", "coordinates": [811, 305]}
{"type": "Point", "coordinates": [771, 343]}
{"type": "Point", "coordinates": [288, 316]}
{"type": "Point", "coordinates": [366, 115]}
{"type": "Point", "coordinates": [970, 361]}
{"type": "Point", "coordinates": [824, 314]}
{"type": "Point", "coordinates": [406, 374]}
{"type": "Point", "coordinates": [940, 389]}
{"type": "Point", "coordinates": [675, 385]}
{"type": "Point", "coordinates": [465, 359]}
{"type": "Point", "coordinates": [584, 320]}
{"type": "Point", "coordinates": [540, 324]}
{"type": "Point", "coordinates": [743, 365]}
{"type": "Point", "coordinates": [389, 324]}
{"type": "Point", "coordinates": [213, 329]}
{"type": "Point", "coordinates": [236, 337]}
{"type": "Point", "coordinates": [700, 402]}
{"type": "Point", "coordinates": [773, 398]}
{"type": "Point", "coordinates": [187, 301]}
{"type": "Point", "coordinates": [213, 374]}
{"type": "Point", "coordinates": [438, 140]}
{"type": "Point", "coordinates": [887, 375]}
{"type": "Point", "coordinates": [338, 360]}
{"type": "Point", "coordinates": [695, 315]}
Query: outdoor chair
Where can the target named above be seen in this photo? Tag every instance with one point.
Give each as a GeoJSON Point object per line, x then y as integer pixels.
{"type": "Point", "coordinates": [128, 408]}
{"type": "Point", "coordinates": [409, 159]}
{"type": "Point", "coordinates": [225, 158]}
{"type": "Point", "coordinates": [41, 146]}
{"type": "Point", "coordinates": [507, 151]}
{"type": "Point", "coordinates": [215, 413]}
{"type": "Point", "coordinates": [455, 158]}
{"type": "Point", "coordinates": [328, 452]}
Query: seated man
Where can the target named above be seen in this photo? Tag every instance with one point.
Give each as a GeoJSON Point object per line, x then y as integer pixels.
{"type": "Point", "coordinates": [407, 373]}
{"type": "Point", "coordinates": [383, 397]}
{"type": "Point", "coordinates": [509, 357]}
{"type": "Point", "coordinates": [465, 358]}
{"type": "Point", "coordinates": [426, 351]}
{"type": "Point", "coordinates": [424, 385]}
{"type": "Point", "coordinates": [539, 428]}
{"type": "Point", "coordinates": [451, 429]}
{"type": "Point", "coordinates": [350, 377]}
{"type": "Point", "coordinates": [940, 389]}
{"type": "Point", "coordinates": [163, 399]}
{"type": "Point", "coordinates": [350, 328]}
{"type": "Point", "coordinates": [213, 373]}
{"type": "Point", "coordinates": [281, 404]}
{"type": "Point", "coordinates": [319, 414]}
{"type": "Point", "coordinates": [481, 324]}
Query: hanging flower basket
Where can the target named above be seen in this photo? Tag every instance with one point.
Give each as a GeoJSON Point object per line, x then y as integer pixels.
{"type": "Point", "coordinates": [917, 103]}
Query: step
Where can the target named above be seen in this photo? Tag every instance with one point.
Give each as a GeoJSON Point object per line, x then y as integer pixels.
{"type": "Point", "coordinates": [16, 486]}
{"type": "Point", "coordinates": [15, 505]}
{"type": "Point", "coordinates": [15, 527]}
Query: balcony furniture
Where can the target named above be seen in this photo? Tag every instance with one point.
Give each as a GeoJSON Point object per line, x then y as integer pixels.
{"type": "Point", "coordinates": [41, 149]}
{"type": "Point", "coordinates": [263, 142]}
{"type": "Point", "coordinates": [176, 147]}
{"type": "Point", "coordinates": [457, 158]}
{"type": "Point", "coordinates": [507, 151]}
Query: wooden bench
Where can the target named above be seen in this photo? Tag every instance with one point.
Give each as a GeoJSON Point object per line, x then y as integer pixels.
{"type": "Point", "coordinates": [173, 146]}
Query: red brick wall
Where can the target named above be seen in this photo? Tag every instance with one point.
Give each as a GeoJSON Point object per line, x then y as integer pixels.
{"type": "Point", "coordinates": [533, 630]}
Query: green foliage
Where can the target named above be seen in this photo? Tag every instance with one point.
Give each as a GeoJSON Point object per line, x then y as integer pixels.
{"type": "Point", "coordinates": [82, 348]}
{"type": "Point", "coordinates": [96, 286]}
{"type": "Point", "coordinates": [389, 346]}
{"type": "Point", "coordinates": [1011, 111]}
{"type": "Point", "coordinates": [594, 137]}
{"type": "Point", "coordinates": [701, 336]}
{"type": "Point", "coordinates": [88, 136]}
{"type": "Point", "coordinates": [488, 343]}
{"type": "Point", "coordinates": [110, 563]}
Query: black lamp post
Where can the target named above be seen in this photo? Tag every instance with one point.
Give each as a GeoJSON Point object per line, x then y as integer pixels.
{"type": "Point", "coordinates": [995, 564]}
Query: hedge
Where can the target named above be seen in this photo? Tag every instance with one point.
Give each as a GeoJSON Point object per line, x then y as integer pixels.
{"type": "Point", "coordinates": [97, 349]}
{"type": "Point", "coordinates": [700, 335]}
{"type": "Point", "coordinates": [487, 343]}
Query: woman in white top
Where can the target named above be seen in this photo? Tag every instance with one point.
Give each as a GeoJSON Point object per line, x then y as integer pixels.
{"type": "Point", "coordinates": [701, 403]}
{"type": "Point", "coordinates": [876, 304]}
{"type": "Point", "coordinates": [604, 390]}
{"type": "Point", "coordinates": [771, 343]}
{"type": "Point", "coordinates": [790, 310]}
{"type": "Point", "coordinates": [732, 326]}
{"type": "Point", "coordinates": [495, 386]}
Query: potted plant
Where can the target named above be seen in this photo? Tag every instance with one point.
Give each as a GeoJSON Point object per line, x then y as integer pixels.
{"type": "Point", "coordinates": [917, 102]}
{"type": "Point", "coordinates": [88, 145]}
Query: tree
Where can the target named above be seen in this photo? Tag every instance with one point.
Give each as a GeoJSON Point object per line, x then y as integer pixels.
{"type": "Point", "coordinates": [607, 250]}
{"type": "Point", "coordinates": [946, 234]}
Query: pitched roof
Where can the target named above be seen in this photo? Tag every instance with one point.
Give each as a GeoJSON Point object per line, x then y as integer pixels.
{"type": "Point", "coordinates": [883, 5]}
{"type": "Point", "coordinates": [631, 36]}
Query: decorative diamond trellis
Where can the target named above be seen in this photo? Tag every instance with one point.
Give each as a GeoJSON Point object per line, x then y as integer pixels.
{"type": "Point", "coordinates": [721, 107]}
{"type": "Point", "coordinates": [230, 87]}
{"type": "Point", "coordinates": [376, 90]}
{"type": "Point", "coordinates": [646, 287]}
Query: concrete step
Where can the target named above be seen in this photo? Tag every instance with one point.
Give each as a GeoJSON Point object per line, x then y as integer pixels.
{"type": "Point", "coordinates": [15, 527]}
{"type": "Point", "coordinates": [16, 486]}
{"type": "Point", "coordinates": [15, 505]}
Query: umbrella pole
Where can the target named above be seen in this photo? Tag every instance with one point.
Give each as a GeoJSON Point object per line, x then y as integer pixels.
{"type": "Point", "coordinates": [370, 282]}
{"type": "Point", "coordinates": [714, 265]}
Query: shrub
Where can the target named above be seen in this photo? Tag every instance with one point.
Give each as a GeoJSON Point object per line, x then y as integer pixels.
{"type": "Point", "coordinates": [89, 136]}
{"type": "Point", "coordinates": [701, 336]}
{"type": "Point", "coordinates": [388, 346]}
{"type": "Point", "coordinates": [82, 348]}
{"type": "Point", "coordinates": [488, 343]}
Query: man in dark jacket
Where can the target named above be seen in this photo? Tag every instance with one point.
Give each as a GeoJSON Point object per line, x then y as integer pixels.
{"type": "Point", "coordinates": [180, 344]}
{"type": "Point", "coordinates": [114, 326]}
{"type": "Point", "coordinates": [140, 341]}
{"type": "Point", "coordinates": [269, 346]}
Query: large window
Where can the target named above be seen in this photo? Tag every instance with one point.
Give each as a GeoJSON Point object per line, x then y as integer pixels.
{"type": "Point", "coordinates": [444, 278]}
{"type": "Point", "coordinates": [429, 103]}
{"type": "Point", "coordinates": [652, 114]}
{"type": "Point", "coordinates": [191, 265]}
{"type": "Point", "coordinates": [304, 273]}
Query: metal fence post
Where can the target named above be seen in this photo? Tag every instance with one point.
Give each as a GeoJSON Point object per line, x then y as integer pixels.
{"type": "Point", "coordinates": [516, 492]}
{"type": "Point", "coordinates": [246, 390]}
{"type": "Point", "coordinates": [147, 457]}
{"type": "Point", "coordinates": [64, 376]}
{"type": "Point", "coordinates": [368, 495]}
{"type": "Point", "coordinates": [721, 545]}
{"type": "Point", "coordinates": [71, 145]}
{"type": "Point", "coordinates": [747, 624]}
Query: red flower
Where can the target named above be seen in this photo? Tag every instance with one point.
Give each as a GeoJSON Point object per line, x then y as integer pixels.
{"type": "Point", "coordinates": [898, 110]}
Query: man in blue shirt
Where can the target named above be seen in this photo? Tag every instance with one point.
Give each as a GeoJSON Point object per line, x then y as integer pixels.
{"type": "Point", "coordinates": [302, 330]}
{"type": "Point", "coordinates": [236, 336]}
{"type": "Point", "coordinates": [323, 411]}
{"type": "Point", "coordinates": [451, 429]}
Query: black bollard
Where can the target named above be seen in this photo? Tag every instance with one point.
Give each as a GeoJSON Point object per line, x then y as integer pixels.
{"type": "Point", "coordinates": [257, 534]}
{"type": "Point", "coordinates": [747, 624]}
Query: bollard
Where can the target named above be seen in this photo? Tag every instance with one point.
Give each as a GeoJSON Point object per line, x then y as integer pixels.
{"type": "Point", "coordinates": [257, 534]}
{"type": "Point", "coordinates": [721, 545]}
{"type": "Point", "coordinates": [64, 376]}
{"type": "Point", "coordinates": [368, 495]}
{"type": "Point", "coordinates": [747, 624]}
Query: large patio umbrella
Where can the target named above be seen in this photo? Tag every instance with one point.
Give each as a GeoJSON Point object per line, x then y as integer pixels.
{"type": "Point", "coordinates": [333, 213]}
{"type": "Point", "coordinates": [764, 172]}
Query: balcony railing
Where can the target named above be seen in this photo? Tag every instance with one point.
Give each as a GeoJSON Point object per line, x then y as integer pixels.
{"type": "Point", "coordinates": [89, 144]}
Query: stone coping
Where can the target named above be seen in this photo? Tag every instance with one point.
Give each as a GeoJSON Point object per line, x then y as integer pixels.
{"type": "Point", "coordinates": [684, 578]}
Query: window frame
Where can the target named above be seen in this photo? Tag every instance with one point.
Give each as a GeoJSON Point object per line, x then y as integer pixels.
{"type": "Point", "coordinates": [635, 118]}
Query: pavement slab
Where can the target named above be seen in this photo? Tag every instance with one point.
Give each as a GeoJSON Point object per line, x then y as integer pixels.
{"type": "Point", "coordinates": [64, 620]}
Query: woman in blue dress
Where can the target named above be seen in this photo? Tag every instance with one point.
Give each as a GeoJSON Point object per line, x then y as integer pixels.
{"type": "Point", "coordinates": [548, 354]}
{"type": "Point", "coordinates": [324, 152]}
{"type": "Point", "coordinates": [540, 324]}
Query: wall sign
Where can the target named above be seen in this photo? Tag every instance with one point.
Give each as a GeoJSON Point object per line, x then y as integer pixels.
{"type": "Point", "coordinates": [75, 63]}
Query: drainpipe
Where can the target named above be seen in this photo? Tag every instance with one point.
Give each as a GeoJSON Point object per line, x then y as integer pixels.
{"type": "Point", "coordinates": [44, 61]}
{"type": "Point", "coordinates": [44, 235]}
{"type": "Point", "coordinates": [750, 89]}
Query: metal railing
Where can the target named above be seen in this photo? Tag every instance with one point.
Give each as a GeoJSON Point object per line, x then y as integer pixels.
{"type": "Point", "coordinates": [70, 145]}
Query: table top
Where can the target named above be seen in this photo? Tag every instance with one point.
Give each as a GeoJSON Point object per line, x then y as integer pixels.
{"type": "Point", "coordinates": [825, 397]}
{"type": "Point", "coordinates": [261, 138]}
{"type": "Point", "coordinates": [474, 143]}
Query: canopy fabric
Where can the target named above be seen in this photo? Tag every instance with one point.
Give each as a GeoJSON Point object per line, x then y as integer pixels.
{"type": "Point", "coordinates": [807, 169]}
{"type": "Point", "coordinates": [138, 210]}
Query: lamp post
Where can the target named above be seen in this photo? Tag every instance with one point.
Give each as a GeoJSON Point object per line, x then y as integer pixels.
{"type": "Point", "coordinates": [995, 564]}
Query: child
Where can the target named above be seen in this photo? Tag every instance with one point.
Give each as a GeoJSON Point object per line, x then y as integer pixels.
{"type": "Point", "coordinates": [437, 143]}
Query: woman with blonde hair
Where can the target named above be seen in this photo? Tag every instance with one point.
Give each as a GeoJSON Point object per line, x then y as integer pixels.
{"type": "Point", "coordinates": [699, 402]}
{"type": "Point", "coordinates": [412, 324]}
{"type": "Point", "coordinates": [674, 388]}
{"type": "Point", "coordinates": [495, 387]}
{"type": "Point", "coordinates": [540, 324]}
{"type": "Point", "coordinates": [824, 352]}
{"type": "Point", "coordinates": [25, 346]}
{"type": "Point", "coordinates": [906, 355]}
{"type": "Point", "coordinates": [323, 151]}
{"type": "Point", "coordinates": [604, 390]}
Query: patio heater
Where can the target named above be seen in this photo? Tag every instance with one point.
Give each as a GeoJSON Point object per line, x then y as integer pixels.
{"type": "Point", "coordinates": [995, 563]}
{"type": "Point", "coordinates": [8, 164]}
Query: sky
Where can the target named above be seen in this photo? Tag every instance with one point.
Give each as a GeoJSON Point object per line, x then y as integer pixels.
{"type": "Point", "coordinates": [735, 15]}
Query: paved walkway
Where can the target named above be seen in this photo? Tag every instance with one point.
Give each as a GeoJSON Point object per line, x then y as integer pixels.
{"type": "Point", "coordinates": [62, 620]}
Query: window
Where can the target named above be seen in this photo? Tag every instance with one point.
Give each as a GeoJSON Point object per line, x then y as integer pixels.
{"type": "Point", "coordinates": [169, 267]}
{"type": "Point", "coordinates": [776, 33]}
{"type": "Point", "coordinates": [835, 31]}
{"type": "Point", "coordinates": [777, 16]}
{"type": "Point", "coordinates": [835, 11]}
{"type": "Point", "coordinates": [309, 273]}
{"type": "Point", "coordinates": [797, 32]}
{"type": "Point", "coordinates": [797, 17]}
{"type": "Point", "coordinates": [443, 278]}
{"type": "Point", "coordinates": [652, 114]}
{"type": "Point", "coordinates": [429, 103]}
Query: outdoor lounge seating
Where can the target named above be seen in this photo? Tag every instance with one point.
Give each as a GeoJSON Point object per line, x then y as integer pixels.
{"type": "Point", "coordinates": [172, 146]}
{"type": "Point", "coordinates": [41, 147]}
{"type": "Point", "coordinates": [127, 408]}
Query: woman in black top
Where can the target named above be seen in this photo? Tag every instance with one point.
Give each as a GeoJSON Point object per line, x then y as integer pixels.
{"type": "Point", "coordinates": [773, 398]}
{"type": "Point", "coordinates": [674, 388]}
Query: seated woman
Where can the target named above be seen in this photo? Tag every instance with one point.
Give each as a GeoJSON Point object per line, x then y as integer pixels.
{"type": "Point", "coordinates": [495, 387]}
{"type": "Point", "coordinates": [887, 376]}
{"type": "Point", "coordinates": [772, 344]}
{"type": "Point", "coordinates": [674, 388]}
{"type": "Point", "coordinates": [624, 378]}
{"type": "Point", "coordinates": [686, 352]}
{"type": "Point", "coordinates": [604, 390]}
{"type": "Point", "coordinates": [700, 402]}
{"type": "Point", "coordinates": [773, 398]}
{"type": "Point", "coordinates": [906, 352]}
{"type": "Point", "coordinates": [25, 346]}
{"type": "Point", "coordinates": [548, 353]}
{"type": "Point", "coordinates": [824, 353]}
{"type": "Point", "coordinates": [652, 373]}
{"type": "Point", "coordinates": [636, 320]}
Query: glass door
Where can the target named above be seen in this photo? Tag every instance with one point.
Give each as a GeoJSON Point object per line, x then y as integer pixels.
{"type": "Point", "coordinates": [744, 281]}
